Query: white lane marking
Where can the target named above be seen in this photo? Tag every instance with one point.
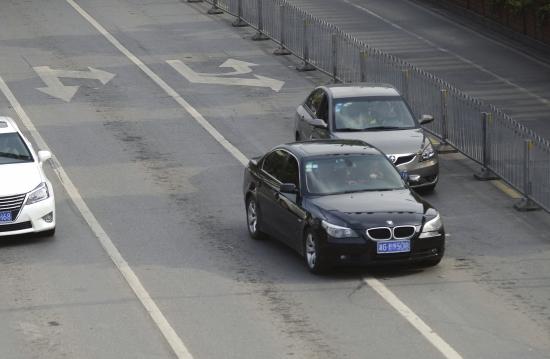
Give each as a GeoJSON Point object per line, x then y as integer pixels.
{"type": "Point", "coordinates": [163, 85]}
{"type": "Point", "coordinates": [461, 58]}
{"type": "Point", "coordinates": [413, 319]}
{"type": "Point", "coordinates": [227, 145]}
{"type": "Point", "coordinates": [54, 86]}
{"type": "Point", "coordinates": [202, 78]}
{"type": "Point", "coordinates": [131, 278]}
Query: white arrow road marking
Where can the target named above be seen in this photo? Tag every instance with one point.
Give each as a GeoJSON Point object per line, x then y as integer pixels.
{"type": "Point", "coordinates": [200, 78]}
{"type": "Point", "coordinates": [241, 67]}
{"type": "Point", "coordinates": [54, 86]}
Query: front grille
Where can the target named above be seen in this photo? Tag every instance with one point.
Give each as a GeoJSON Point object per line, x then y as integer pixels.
{"type": "Point", "coordinates": [379, 234]}
{"type": "Point", "coordinates": [404, 159]}
{"type": "Point", "coordinates": [403, 232]}
{"type": "Point", "coordinates": [12, 204]}
{"type": "Point", "coordinates": [15, 226]}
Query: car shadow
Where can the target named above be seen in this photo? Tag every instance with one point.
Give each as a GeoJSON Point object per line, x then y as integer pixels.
{"type": "Point", "coordinates": [24, 240]}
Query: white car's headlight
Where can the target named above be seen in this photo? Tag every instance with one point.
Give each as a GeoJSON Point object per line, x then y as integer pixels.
{"type": "Point", "coordinates": [427, 152]}
{"type": "Point", "coordinates": [38, 194]}
{"type": "Point", "coordinates": [432, 228]}
{"type": "Point", "coordinates": [338, 231]}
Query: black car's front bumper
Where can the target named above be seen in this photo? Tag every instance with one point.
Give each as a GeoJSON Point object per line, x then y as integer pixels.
{"type": "Point", "coordinates": [362, 251]}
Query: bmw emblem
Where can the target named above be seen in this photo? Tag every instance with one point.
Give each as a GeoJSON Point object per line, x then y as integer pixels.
{"type": "Point", "coordinates": [390, 223]}
{"type": "Point", "coordinates": [393, 158]}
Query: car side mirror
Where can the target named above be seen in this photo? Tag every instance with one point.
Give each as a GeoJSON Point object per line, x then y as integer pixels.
{"type": "Point", "coordinates": [318, 123]}
{"type": "Point", "coordinates": [288, 188]}
{"type": "Point", "coordinates": [425, 119]}
{"type": "Point", "coordinates": [43, 156]}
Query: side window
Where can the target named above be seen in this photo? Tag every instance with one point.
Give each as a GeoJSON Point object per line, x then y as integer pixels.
{"type": "Point", "coordinates": [274, 163]}
{"type": "Point", "coordinates": [314, 100]}
{"type": "Point", "coordinates": [322, 111]}
{"type": "Point", "coordinates": [290, 173]}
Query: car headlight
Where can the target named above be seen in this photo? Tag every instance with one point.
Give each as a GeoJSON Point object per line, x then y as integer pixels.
{"type": "Point", "coordinates": [38, 194]}
{"type": "Point", "coordinates": [427, 152]}
{"type": "Point", "coordinates": [432, 228]}
{"type": "Point", "coordinates": [338, 231]}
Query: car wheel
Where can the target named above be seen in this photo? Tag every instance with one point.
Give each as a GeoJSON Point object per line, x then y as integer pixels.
{"type": "Point", "coordinates": [315, 261]}
{"type": "Point", "coordinates": [297, 137]}
{"type": "Point", "coordinates": [252, 219]}
{"type": "Point", "coordinates": [49, 233]}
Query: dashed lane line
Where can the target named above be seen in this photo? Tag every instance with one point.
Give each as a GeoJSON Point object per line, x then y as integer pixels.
{"type": "Point", "coordinates": [378, 286]}
{"type": "Point", "coordinates": [127, 272]}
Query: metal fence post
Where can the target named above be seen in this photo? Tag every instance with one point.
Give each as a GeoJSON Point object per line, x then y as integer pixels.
{"type": "Point", "coordinates": [485, 174]}
{"type": "Point", "coordinates": [282, 50]}
{"type": "Point", "coordinates": [305, 66]}
{"type": "Point", "coordinates": [239, 21]}
{"type": "Point", "coordinates": [334, 39]}
{"type": "Point", "coordinates": [363, 57]}
{"type": "Point", "coordinates": [444, 147]}
{"type": "Point", "coordinates": [214, 10]}
{"type": "Point", "coordinates": [260, 36]}
{"type": "Point", "coordinates": [526, 203]}
{"type": "Point", "coordinates": [406, 74]}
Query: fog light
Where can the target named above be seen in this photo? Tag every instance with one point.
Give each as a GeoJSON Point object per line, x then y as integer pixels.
{"type": "Point", "coordinates": [48, 218]}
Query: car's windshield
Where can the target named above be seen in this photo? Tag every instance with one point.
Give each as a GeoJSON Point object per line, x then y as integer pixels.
{"type": "Point", "coordinates": [372, 113]}
{"type": "Point", "coordinates": [351, 173]}
{"type": "Point", "coordinates": [13, 149]}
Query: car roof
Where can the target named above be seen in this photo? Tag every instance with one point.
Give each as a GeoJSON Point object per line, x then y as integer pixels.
{"type": "Point", "coordinates": [329, 147]}
{"type": "Point", "coordinates": [7, 125]}
{"type": "Point", "coordinates": [361, 90]}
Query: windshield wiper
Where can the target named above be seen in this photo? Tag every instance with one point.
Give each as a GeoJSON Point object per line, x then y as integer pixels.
{"type": "Point", "coordinates": [348, 129]}
{"type": "Point", "coordinates": [13, 155]}
{"type": "Point", "coordinates": [374, 128]}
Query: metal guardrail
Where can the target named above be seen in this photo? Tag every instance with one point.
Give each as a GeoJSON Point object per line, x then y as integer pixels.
{"type": "Point", "coordinates": [502, 146]}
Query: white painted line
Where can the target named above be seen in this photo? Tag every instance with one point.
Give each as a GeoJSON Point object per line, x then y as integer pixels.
{"type": "Point", "coordinates": [413, 319]}
{"type": "Point", "coordinates": [131, 278]}
{"type": "Point", "coordinates": [461, 58]}
{"type": "Point", "coordinates": [163, 85]}
{"type": "Point", "coordinates": [382, 290]}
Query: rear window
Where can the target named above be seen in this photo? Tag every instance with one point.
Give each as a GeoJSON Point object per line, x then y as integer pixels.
{"type": "Point", "coordinates": [13, 149]}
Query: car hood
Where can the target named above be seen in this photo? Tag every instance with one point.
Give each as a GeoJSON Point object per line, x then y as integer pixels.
{"type": "Point", "coordinates": [389, 142]}
{"type": "Point", "coordinates": [372, 209]}
{"type": "Point", "coordinates": [19, 178]}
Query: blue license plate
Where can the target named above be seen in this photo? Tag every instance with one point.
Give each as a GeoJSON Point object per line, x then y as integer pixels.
{"type": "Point", "coordinates": [5, 216]}
{"type": "Point", "coordinates": [400, 246]}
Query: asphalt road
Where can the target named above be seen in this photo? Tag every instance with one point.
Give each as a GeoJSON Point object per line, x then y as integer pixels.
{"type": "Point", "coordinates": [168, 196]}
{"type": "Point", "coordinates": [476, 60]}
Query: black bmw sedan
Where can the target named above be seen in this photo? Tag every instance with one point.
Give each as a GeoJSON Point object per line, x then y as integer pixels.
{"type": "Point", "coordinates": [340, 202]}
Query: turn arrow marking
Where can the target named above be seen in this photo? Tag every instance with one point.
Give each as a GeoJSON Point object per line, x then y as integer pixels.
{"type": "Point", "coordinates": [240, 67]}
{"type": "Point", "coordinates": [54, 86]}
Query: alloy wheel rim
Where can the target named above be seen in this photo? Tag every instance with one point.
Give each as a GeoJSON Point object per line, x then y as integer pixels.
{"type": "Point", "coordinates": [311, 252]}
{"type": "Point", "coordinates": [252, 216]}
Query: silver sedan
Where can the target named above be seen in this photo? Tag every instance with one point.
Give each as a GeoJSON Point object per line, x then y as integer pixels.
{"type": "Point", "coordinates": [376, 114]}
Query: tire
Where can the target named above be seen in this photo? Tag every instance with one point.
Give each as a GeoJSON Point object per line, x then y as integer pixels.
{"type": "Point", "coordinates": [297, 137]}
{"type": "Point", "coordinates": [252, 219]}
{"type": "Point", "coordinates": [315, 261]}
{"type": "Point", "coordinates": [49, 233]}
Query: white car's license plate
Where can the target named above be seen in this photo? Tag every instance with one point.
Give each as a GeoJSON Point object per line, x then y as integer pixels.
{"type": "Point", "coordinates": [5, 216]}
{"type": "Point", "coordinates": [399, 246]}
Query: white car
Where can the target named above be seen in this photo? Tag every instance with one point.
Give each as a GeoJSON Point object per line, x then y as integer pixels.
{"type": "Point", "coordinates": [27, 202]}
